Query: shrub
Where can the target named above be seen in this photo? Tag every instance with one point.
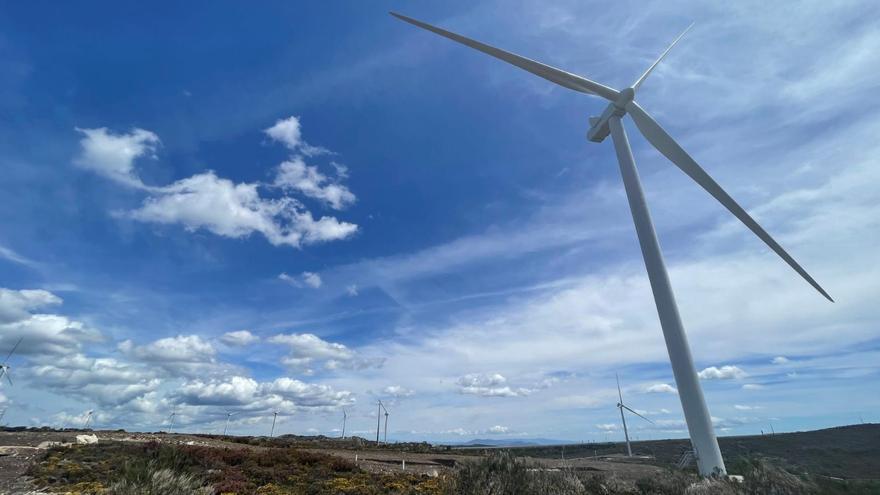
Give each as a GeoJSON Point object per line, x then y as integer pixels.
{"type": "Point", "coordinates": [158, 482]}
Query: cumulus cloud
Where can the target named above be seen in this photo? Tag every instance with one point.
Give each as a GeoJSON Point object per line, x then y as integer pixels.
{"type": "Point", "coordinates": [661, 388]}
{"type": "Point", "coordinates": [180, 356]}
{"type": "Point", "coordinates": [16, 305]}
{"type": "Point", "coordinates": [295, 175]}
{"type": "Point", "coordinates": [218, 205]}
{"type": "Point", "coordinates": [311, 279]}
{"type": "Point", "coordinates": [246, 394]}
{"type": "Point", "coordinates": [106, 381]}
{"type": "Point", "coordinates": [289, 133]}
{"type": "Point", "coordinates": [780, 360]}
{"type": "Point", "coordinates": [488, 385]}
{"type": "Point", "coordinates": [722, 373]}
{"type": "Point", "coordinates": [307, 349]}
{"type": "Point", "coordinates": [397, 391]}
{"type": "Point", "coordinates": [113, 155]}
{"type": "Point", "coordinates": [752, 386]}
{"type": "Point", "coordinates": [498, 429]}
{"type": "Point", "coordinates": [44, 333]}
{"type": "Point", "coordinates": [606, 427]}
{"type": "Point", "coordinates": [239, 338]}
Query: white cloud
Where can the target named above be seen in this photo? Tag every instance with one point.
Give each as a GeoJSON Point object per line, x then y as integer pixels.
{"type": "Point", "coordinates": [780, 360]}
{"type": "Point", "coordinates": [498, 429]}
{"type": "Point", "coordinates": [239, 338]}
{"type": "Point", "coordinates": [16, 305]}
{"type": "Point", "coordinates": [397, 391]}
{"type": "Point", "coordinates": [311, 279]}
{"type": "Point", "coordinates": [246, 394]}
{"type": "Point", "coordinates": [106, 381]}
{"type": "Point", "coordinates": [307, 348]}
{"type": "Point", "coordinates": [205, 201]}
{"type": "Point", "coordinates": [113, 155]}
{"type": "Point", "coordinates": [607, 427]}
{"type": "Point", "coordinates": [661, 388]}
{"type": "Point", "coordinates": [180, 356]}
{"type": "Point", "coordinates": [295, 175]}
{"type": "Point", "coordinates": [741, 407]}
{"type": "Point", "coordinates": [722, 373]}
{"type": "Point", "coordinates": [752, 386]}
{"type": "Point", "coordinates": [488, 385]}
{"type": "Point", "coordinates": [352, 290]}
{"type": "Point", "coordinates": [13, 256]}
{"type": "Point", "coordinates": [289, 133]}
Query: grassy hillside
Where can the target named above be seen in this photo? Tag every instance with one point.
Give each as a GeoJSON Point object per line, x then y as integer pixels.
{"type": "Point", "coordinates": [851, 452]}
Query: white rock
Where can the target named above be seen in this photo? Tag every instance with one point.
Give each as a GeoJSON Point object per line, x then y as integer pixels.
{"type": "Point", "coordinates": [86, 439]}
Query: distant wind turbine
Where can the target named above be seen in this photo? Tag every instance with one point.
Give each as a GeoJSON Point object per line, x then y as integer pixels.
{"type": "Point", "coordinates": [385, 435]}
{"type": "Point", "coordinates": [88, 419]}
{"type": "Point", "coordinates": [226, 426]}
{"type": "Point", "coordinates": [379, 421]}
{"type": "Point", "coordinates": [272, 431]}
{"type": "Point", "coordinates": [344, 419]}
{"type": "Point", "coordinates": [621, 406]}
{"type": "Point", "coordinates": [171, 419]}
{"type": "Point", "coordinates": [696, 413]}
{"type": "Point", "coordinates": [4, 366]}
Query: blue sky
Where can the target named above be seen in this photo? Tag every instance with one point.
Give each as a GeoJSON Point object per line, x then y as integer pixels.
{"type": "Point", "coordinates": [303, 207]}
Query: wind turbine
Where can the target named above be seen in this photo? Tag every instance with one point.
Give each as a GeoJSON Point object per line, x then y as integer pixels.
{"type": "Point", "coordinates": [344, 419]}
{"type": "Point", "coordinates": [171, 418]}
{"type": "Point", "coordinates": [226, 426]}
{"type": "Point", "coordinates": [272, 431]}
{"type": "Point", "coordinates": [88, 419]}
{"type": "Point", "coordinates": [4, 366]}
{"type": "Point", "coordinates": [378, 421]}
{"type": "Point", "coordinates": [385, 435]}
{"type": "Point", "coordinates": [699, 422]}
{"type": "Point", "coordinates": [621, 406]}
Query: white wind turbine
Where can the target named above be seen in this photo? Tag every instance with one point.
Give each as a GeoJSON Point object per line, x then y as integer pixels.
{"type": "Point", "coordinates": [709, 460]}
{"type": "Point", "coordinates": [226, 426]}
{"type": "Point", "coordinates": [171, 420]}
{"type": "Point", "coordinates": [88, 419]}
{"type": "Point", "coordinates": [379, 422]}
{"type": "Point", "coordinates": [4, 366]}
{"type": "Point", "coordinates": [272, 431]}
{"type": "Point", "coordinates": [621, 406]}
{"type": "Point", "coordinates": [344, 420]}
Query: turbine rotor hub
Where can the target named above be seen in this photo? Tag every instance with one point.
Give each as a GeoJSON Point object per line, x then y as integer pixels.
{"type": "Point", "coordinates": [625, 96]}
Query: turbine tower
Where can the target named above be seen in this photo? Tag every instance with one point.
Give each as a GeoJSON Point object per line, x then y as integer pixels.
{"type": "Point", "coordinates": [622, 406]}
{"type": "Point", "coordinates": [344, 419]}
{"type": "Point", "coordinates": [4, 366]}
{"type": "Point", "coordinates": [226, 426]}
{"type": "Point", "coordinates": [385, 435]}
{"type": "Point", "coordinates": [378, 420]}
{"type": "Point", "coordinates": [272, 431]}
{"type": "Point", "coordinates": [696, 413]}
{"type": "Point", "coordinates": [171, 419]}
{"type": "Point", "coordinates": [88, 419]}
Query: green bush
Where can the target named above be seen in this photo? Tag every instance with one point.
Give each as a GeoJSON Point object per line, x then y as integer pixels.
{"type": "Point", "coordinates": [154, 481]}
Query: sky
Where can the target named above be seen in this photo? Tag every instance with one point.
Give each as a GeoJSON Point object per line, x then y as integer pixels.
{"type": "Point", "coordinates": [307, 207]}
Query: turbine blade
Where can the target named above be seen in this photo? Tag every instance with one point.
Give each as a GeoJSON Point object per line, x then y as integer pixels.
{"type": "Point", "coordinates": [552, 74]}
{"type": "Point", "coordinates": [13, 350]}
{"type": "Point", "coordinates": [619, 395]}
{"type": "Point", "coordinates": [677, 155]}
{"type": "Point", "coordinates": [640, 80]}
{"type": "Point", "coordinates": [9, 378]}
{"type": "Point", "coordinates": [637, 414]}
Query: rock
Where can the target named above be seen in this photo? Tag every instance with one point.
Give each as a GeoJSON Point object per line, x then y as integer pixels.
{"type": "Point", "coordinates": [48, 444]}
{"type": "Point", "coordinates": [86, 439]}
